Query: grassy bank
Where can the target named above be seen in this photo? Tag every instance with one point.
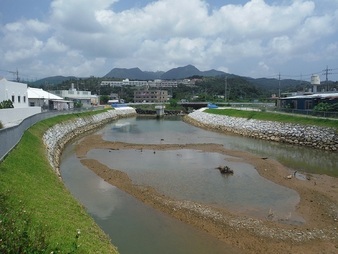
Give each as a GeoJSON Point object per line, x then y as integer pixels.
{"type": "Point", "coordinates": [271, 116]}
{"type": "Point", "coordinates": [36, 206]}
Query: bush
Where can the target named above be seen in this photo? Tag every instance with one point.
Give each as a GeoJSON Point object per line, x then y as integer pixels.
{"type": "Point", "coordinates": [1, 125]}
{"type": "Point", "coordinates": [6, 104]}
{"type": "Point", "coordinates": [78, 104]}
{"type": "Point", "coordinates": [324, 106]}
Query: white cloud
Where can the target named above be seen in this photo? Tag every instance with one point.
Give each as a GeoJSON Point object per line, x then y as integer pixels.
{"type": "Point", "coordinates": [91, 35]}
{"type": "Point", "coordinates": [31, 50]}
{"type": "Point", "coordinates": [53, 45]}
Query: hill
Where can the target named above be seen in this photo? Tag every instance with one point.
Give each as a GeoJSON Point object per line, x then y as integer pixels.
{"type": "Point", "coordinates": [270, 85]}
{"type": "Point", "coordinates": [55, 80]}
{"type": "Point", "coordinates": [133, 73]}
{"type": "Point", "coordinates": [176, 73]}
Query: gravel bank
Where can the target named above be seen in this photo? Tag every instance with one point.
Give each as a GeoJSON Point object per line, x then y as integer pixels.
{"type": "Point", "coordinates": [312, 136]}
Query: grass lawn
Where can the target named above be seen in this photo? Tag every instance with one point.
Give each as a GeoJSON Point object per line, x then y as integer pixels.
{"type": "Point", "coordinates": [277, 117]}
{"type": "Point", "coordinates": [35, 205]}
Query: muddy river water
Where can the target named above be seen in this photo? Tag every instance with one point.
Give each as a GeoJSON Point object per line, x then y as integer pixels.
{"type": "Point", "coordinates": [186, 175]}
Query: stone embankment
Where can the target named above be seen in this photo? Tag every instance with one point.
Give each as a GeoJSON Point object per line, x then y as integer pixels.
{"type": "Point", "coordinates": [56, 137]}
{"type": "Point", "coordinates": [304, 135]}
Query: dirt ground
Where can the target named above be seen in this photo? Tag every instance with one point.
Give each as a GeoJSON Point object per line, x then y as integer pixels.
{"type": "Point", "coordinates": [318, 203]}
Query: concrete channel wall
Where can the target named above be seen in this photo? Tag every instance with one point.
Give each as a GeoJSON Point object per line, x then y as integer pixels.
{"type": "Point", "coordinates": [10, 137]}
{"type": "Point", "coordinates": [56, 137]}
{"type": "Point", "coordinates": [304, 135]}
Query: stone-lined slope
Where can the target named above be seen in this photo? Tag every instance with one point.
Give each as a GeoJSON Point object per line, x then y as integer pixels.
{"type": "Point", "coordinates": [305, 135]}
{"type": "Point", "coordinates": [57, 136]}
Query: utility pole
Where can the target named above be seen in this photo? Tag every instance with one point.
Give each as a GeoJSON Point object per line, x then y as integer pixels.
{"type": "Point", "coordinates": [326, 73]}
{"type": "Point", "coordinates": [279, 85]}
{"type": "Point", "coordinates": [16, 73]}
{"type": "Point", "coordinates": [225, 88]}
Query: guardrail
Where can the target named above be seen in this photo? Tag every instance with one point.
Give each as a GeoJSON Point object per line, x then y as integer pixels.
{"type": "Point", "coordinates": [10, 137]}
{"type": "Point", "coordinates": [325, 114]}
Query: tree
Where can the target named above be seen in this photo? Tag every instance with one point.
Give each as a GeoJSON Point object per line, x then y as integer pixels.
{"type": "Point", "coordinates": [324, 106]}
{"type": "Point", "coordinates": [104, 99]}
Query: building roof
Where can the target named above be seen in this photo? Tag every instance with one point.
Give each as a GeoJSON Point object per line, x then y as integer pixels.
{"type": "Point", "coordinates": [4, 81]}
{"type": "Point", "coordinates": [38, 93]}
{"type": "Point", "coordinates": [315, 95]}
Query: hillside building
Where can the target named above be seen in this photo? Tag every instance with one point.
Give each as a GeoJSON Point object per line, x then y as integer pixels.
{"type": "Point", "coordinates": [158, 83]}
{"type": "Point", "coordinates": [152, 96]}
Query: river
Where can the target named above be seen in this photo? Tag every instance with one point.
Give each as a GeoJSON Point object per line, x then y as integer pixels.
{"type": "Point", "coordinates": [184, 174]}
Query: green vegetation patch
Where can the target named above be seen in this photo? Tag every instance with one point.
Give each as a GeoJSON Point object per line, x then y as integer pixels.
{"type": "Point", "coordinates": [37, 213]}
{"type": "Point", "coordinates": [277, 117]}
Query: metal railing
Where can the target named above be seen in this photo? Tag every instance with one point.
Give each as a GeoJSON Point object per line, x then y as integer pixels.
{"type": "Point", "coordinates": [10, 137]}
{"type": "Point", "coordinates": [308, 112]}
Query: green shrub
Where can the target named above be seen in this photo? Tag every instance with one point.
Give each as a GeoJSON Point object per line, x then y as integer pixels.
{"type": "Point", "coordinates": [324, 106]}
{"type": "Point", "coordinates": [6, 104]}
{"type": "Point", "coordinates": [1, 125]}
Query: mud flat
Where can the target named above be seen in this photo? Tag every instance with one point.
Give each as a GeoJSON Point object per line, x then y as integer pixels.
{"type": "Point", "coordinates": [318, 203]}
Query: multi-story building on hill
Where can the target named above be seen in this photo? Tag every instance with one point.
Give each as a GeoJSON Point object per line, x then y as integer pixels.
{"type": "Point", "coordinates": [154, 96]}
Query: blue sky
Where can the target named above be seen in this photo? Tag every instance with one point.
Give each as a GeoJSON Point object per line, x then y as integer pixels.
{"type": "Point", "coordinates": [256, 38]}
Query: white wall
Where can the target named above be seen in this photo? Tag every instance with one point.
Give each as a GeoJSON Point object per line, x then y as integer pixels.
{"type": "Point", "coordinates": [8, 89]}
{"type": "Point", "coordinates": [13, 116]}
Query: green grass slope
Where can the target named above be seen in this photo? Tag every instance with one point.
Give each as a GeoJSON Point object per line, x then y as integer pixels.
{"type": "Point", "coordinates": [277, 117]}
{"type": "Point", "coordinates": [37, 213]}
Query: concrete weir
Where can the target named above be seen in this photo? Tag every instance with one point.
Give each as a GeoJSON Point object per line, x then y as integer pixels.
{"type": "Point", "coordinates": [160, 110]}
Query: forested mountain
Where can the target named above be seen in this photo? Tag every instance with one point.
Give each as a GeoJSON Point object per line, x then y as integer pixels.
{"type": "Point", "coordinates": [51, 80]}
{"type": "Point", "coordinates": [175, 73]}
{"type": "Point", "coordinates": [133, 74]}
{"type": "Point", "coordinates": [210, 87]}
{"type": "Point", "coordinates": [189, 71]}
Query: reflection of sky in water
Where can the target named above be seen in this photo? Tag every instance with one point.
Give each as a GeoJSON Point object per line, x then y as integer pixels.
{"type": "Point", "coordinates": [138, 130]}
{"type": "Point", "coordinates": [191, 175]}
{"type": "Point", "coordinates": [133, 226]}
{"type": "Point", "coordinates": [96, 189]}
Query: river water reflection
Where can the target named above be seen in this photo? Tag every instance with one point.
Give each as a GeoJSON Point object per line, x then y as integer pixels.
{"type": "Point", "coordinates": [133, 226]}
{"type": "Point", "coordinates": [183, 174]}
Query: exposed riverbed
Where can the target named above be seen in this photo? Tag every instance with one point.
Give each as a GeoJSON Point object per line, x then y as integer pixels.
{"type": "Point", "coordinates": [176, 143]}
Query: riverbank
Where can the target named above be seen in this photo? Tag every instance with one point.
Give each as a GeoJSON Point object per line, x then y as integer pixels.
{"type": "Point", "coordinates": [296, 134]}
{"type": "Point", "coordinates": [318, 204]}
{"type": "Point", "coordinates": [56, 137]}
{"type": "Point", "coordinates": [37, 213]}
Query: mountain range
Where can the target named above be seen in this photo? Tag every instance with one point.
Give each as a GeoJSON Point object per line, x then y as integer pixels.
{"type": "Point", "coordinates": [176, 73]}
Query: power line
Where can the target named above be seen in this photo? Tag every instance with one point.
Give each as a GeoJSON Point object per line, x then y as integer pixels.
{"type": "Point", "coordinates": [15, 73]}
{"type": "Point", "coordinates": [326, 73]}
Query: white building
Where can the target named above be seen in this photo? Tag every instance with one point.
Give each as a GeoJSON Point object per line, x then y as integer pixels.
{"type": "Point", "coordinates": [14, 91]}
{"type": "Point", "coordinates": [17, 93]}
{"type": "Point", "coordinates": [41, 98]}
{"type": "Point", "coordinates": [85, 97]}
{"type": "Point", "coordinates": [126, 82]}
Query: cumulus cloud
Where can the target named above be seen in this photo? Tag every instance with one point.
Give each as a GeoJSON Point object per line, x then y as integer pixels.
{"type": "Point", "coordinates": [93, 37]}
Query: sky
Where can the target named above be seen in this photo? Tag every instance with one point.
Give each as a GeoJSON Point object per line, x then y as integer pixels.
{"type": "Point", "coordinates": [257, 38]}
